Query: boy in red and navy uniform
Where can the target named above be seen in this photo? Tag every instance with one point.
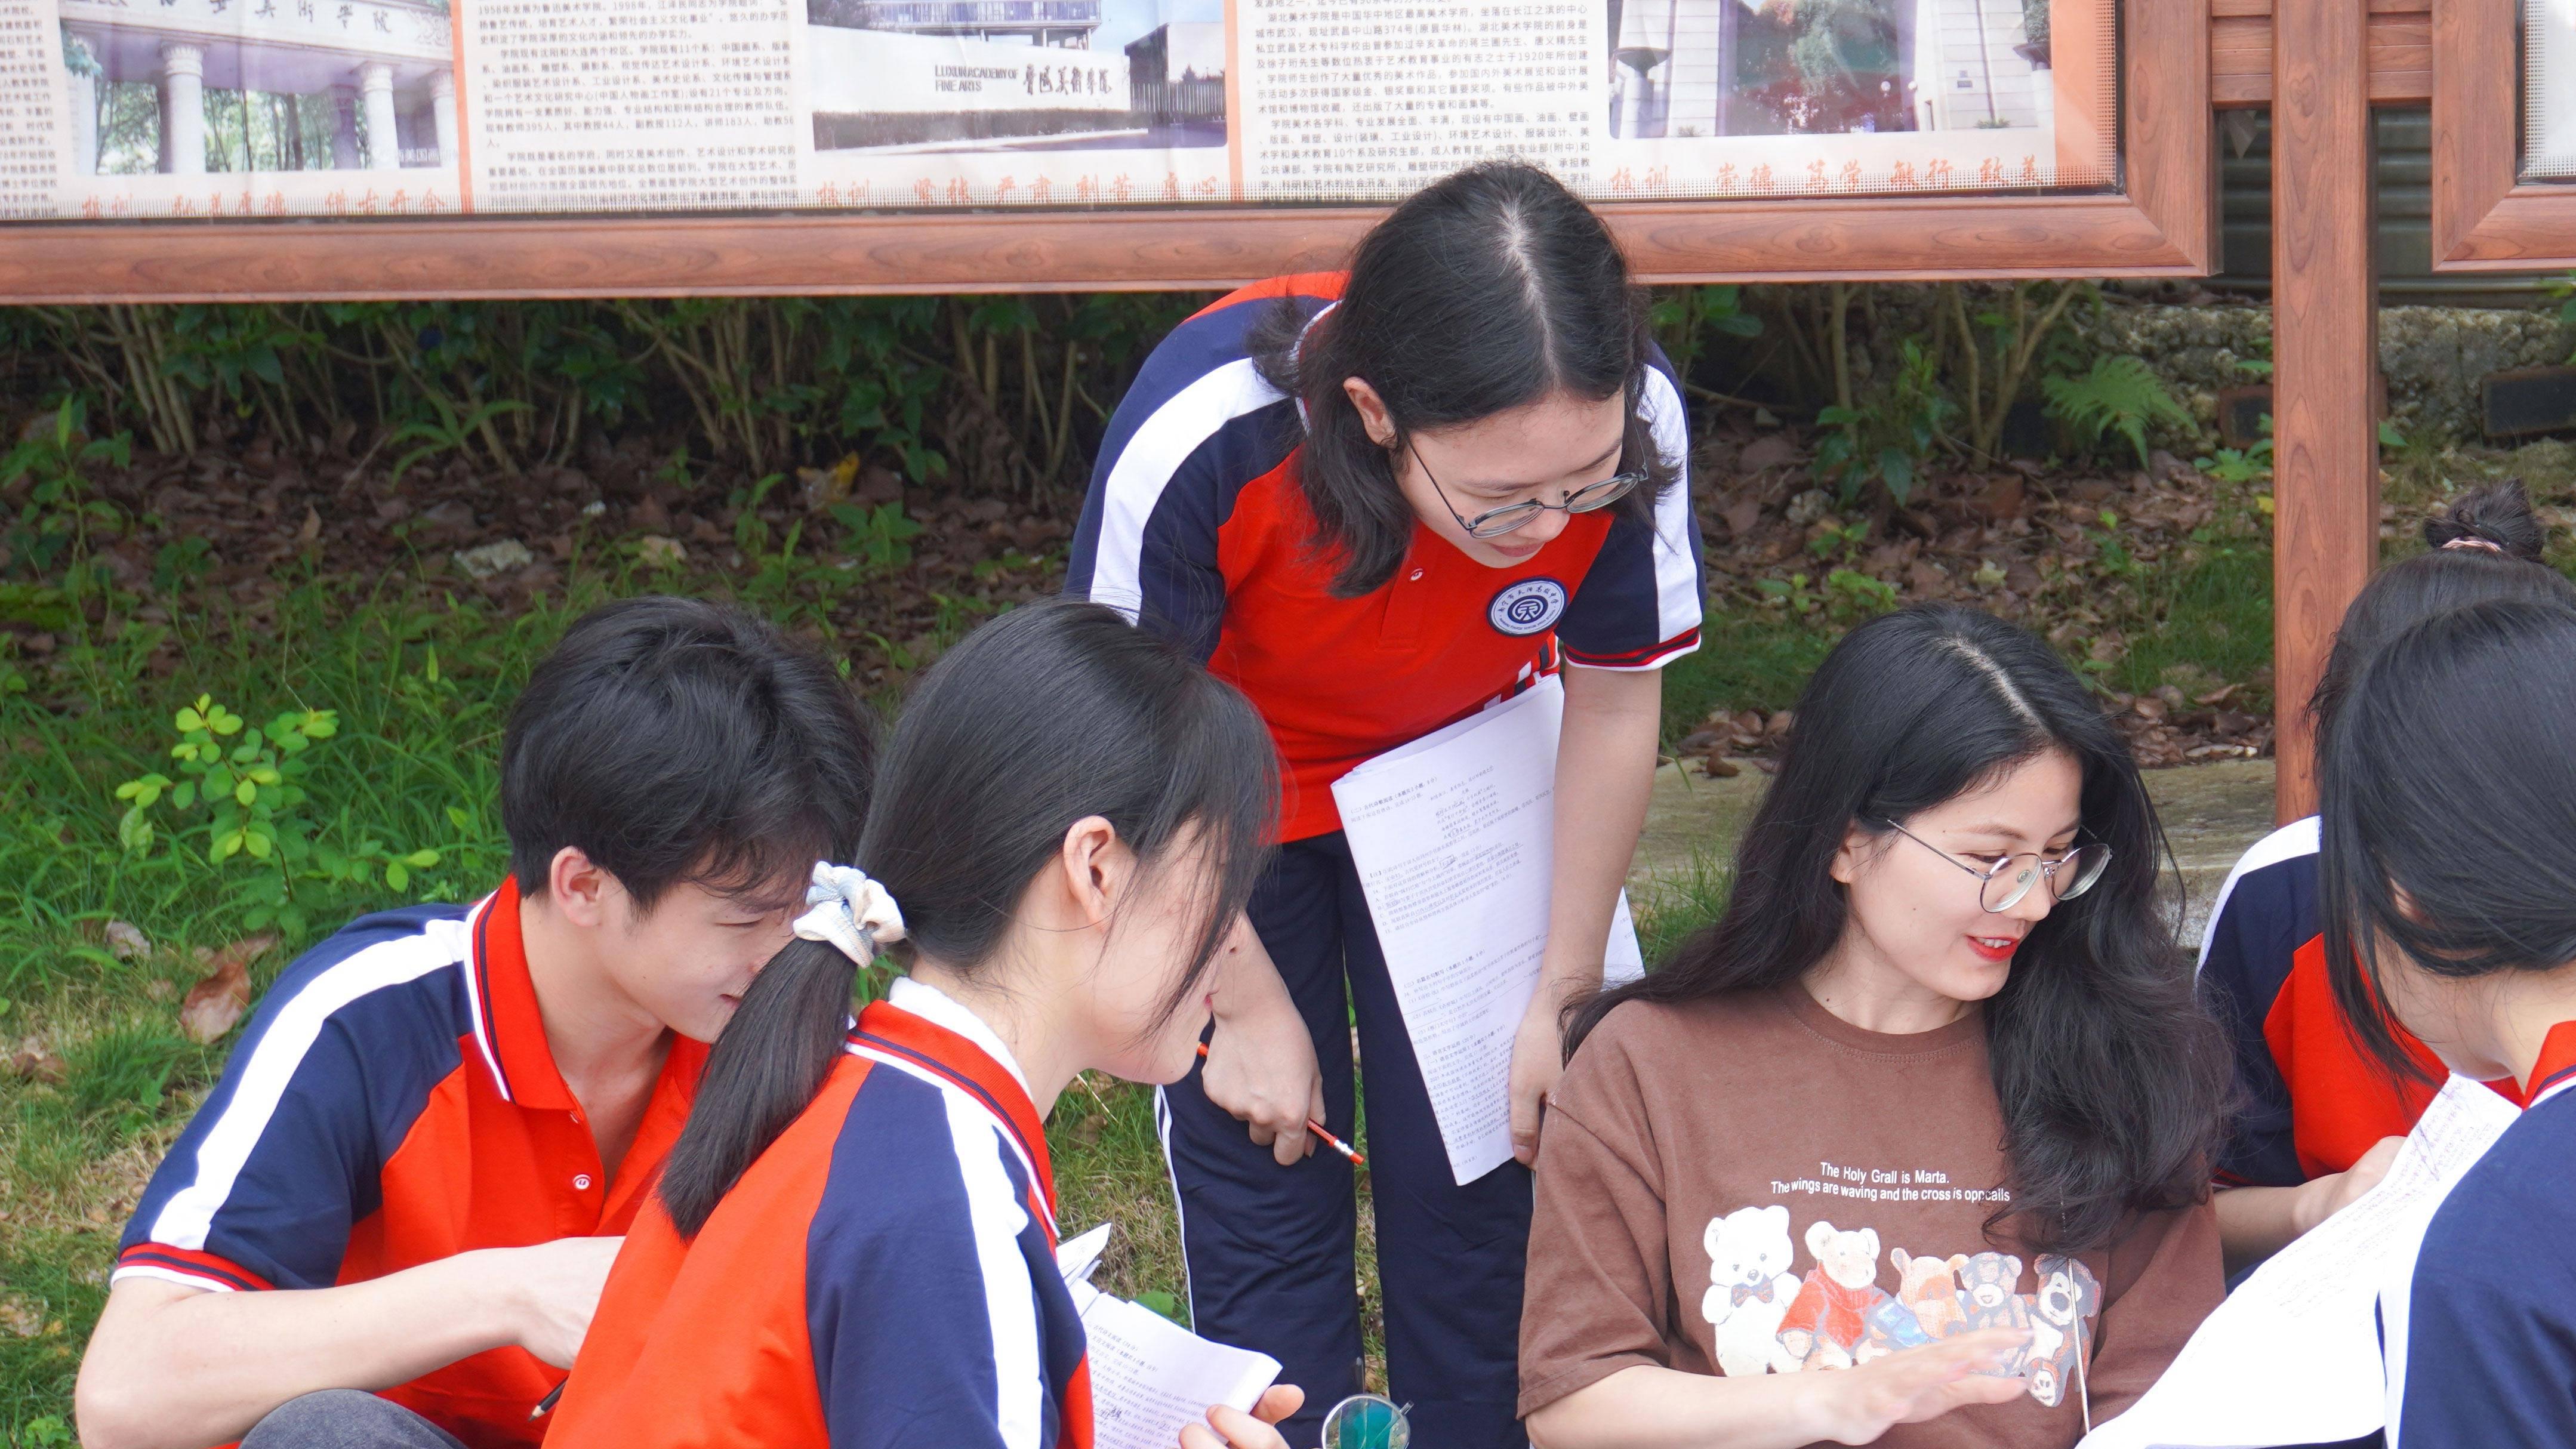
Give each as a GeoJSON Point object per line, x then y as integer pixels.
{"type": "Point", "coordinates": [2480, 1331]}
{"type": "Point", "coordinates": [415, 1169]}
{"type": "Point", "coordinates": [883, 1275]}
{"type": "Point", "coordinates": [1198, 525]}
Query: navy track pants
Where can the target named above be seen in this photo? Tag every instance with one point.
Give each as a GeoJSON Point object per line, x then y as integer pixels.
{"type": "Point", "coordinates": [1270, 1247]}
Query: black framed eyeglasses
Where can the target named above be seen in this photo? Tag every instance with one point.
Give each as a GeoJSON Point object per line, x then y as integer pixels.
{"type": "Point", "coordinates": [2002, 884]}
{"type": "Point", "coordinates": [1495, 522]}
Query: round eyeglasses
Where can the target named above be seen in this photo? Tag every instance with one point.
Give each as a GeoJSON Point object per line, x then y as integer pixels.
{"type": "Point", "coordinates": [1495, 522]}
{"type": "Point", "coordinates": [2002, 883]}
{"type": "Point", "coordinates": [1365, 1421]}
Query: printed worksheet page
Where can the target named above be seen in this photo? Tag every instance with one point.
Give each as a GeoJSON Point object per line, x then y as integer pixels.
{"type": "Point", "coordinates": [1454, 836]}
{"type": "Point", "coordinates": [2292, 1356]}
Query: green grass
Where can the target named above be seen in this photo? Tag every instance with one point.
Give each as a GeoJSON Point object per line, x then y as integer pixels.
{"type": "Point", "coordinates": [1747, 659]}
{"type": "Point", "coordinates": [2211, 622]}
{"type": "Point", "coordinates": [415, 741]}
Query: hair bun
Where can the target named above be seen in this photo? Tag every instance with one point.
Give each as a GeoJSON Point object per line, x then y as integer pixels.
{"type": "Point", "coordinates": [2498, 514]}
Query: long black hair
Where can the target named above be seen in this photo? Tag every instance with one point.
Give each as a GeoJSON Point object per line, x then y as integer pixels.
{"type": "Point", "coordinates": [2112, 1078]}
{"type": "Point", "coordinates": [1488, 290]}
{"type": "Point", "coordinates": [2499, 559]}
{"type": "Point", "coordinates": [2449, 809]}
{"type": "Point", "coordinates": [1049, 714]}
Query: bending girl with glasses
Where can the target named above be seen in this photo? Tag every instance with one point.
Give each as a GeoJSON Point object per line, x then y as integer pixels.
{"type": "Point", "coordinates": [1378, 501]}
{"type": "Point", "coordinates": [1931, 1103]}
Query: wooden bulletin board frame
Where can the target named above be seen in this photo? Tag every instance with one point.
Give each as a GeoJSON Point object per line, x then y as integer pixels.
{"type": "Point", "coordinates": [2164, 224]}
{"type": "Point", "coordinates": [2483, 221]}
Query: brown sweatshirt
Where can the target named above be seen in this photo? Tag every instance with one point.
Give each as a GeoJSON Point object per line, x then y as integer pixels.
{"type": "Point", "coordinates": [1753, 1185]}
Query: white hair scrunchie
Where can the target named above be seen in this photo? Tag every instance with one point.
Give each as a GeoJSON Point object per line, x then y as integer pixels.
{"type": "Point", "coordinates": [846, 909]}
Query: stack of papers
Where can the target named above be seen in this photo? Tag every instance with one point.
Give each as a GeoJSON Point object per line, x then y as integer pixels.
{"type": "Point", "coordinates": [1454, 836]}
{"type": "Point", "coordinates": [1150, 1377]}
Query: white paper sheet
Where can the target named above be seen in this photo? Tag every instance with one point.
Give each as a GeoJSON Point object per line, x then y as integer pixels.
{"type": "Point", "coordinates": [1454, 836]}
{"type": "Point", "coordinates": [1150, 1377]}
{"type": "Point", "coordinates": [2292, 1356]}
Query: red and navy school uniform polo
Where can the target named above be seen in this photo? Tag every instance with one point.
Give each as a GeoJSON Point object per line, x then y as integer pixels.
{"type": "Point", "coordinates": [2480, 1331]}
{"type": "Point", "coordinates": [394, 1102]}
{"type": "Point", "coordinates": [2312, 1100]}
{"type": "Point", "coordinates": [884, 1275]}
{"type": "Point", "coordinates": [1196, 525]}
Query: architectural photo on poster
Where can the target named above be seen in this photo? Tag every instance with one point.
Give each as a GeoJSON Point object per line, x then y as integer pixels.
{"type": "Point", "coordinates": [190, 87]}
{"type": "Point", "coordinates": [932, 76]}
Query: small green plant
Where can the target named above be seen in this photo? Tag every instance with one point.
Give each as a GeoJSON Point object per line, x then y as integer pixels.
{"type": "Point", "coordinates": [1839, 540]}
{"type": "Point", "coordinates": [2239, 465]}
{"type": "Point", "coordinates": [880, 538]}
{"type": "Point", "coordinates": [2121, 394]}
{"type": "Point", "coordinates": [55, 461]}
{"type": "Point", "coordinates": [1793, 595]}
{"type": "Point", "coordinates": [242, 788]}
{"type": "Point", "coordinates": [1852, 595]}
{"type": "Point", "coordinates": [1891, 439]}
{"type": "Point", "coordinates": [2110, 555]}
{"type": "Point", "coordinates": [456, 427]}
{"type": "Point", "coordinates": [1685, 317]}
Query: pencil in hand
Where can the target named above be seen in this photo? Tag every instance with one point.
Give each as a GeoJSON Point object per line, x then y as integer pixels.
{"type": "Point", "coordinates": [1327, 1138]}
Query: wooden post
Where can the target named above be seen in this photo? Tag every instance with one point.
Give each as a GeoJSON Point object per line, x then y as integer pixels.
{"type": "Point", "coordinates": [2325, 350]}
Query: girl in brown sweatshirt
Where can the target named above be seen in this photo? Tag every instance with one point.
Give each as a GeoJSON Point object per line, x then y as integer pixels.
{"type": "Point", "coordinates": [1911, 1145]}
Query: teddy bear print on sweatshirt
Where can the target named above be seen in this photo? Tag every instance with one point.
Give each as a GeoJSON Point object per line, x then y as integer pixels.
{"type": "Point", "coordinates": [1749, 1288]}
{"type": "Point", "coordinates": [1837, 1316]}
{"type": "Point", "coordinates": [1829, 1319]}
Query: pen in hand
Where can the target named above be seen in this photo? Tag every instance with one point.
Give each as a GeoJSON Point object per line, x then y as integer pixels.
{"type": "Point", "coordinates": [1328, 1139]}
{"type": "Point", "coordinates": [548, 1402]}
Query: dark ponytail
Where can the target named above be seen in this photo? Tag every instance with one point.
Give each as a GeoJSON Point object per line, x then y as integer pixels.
{"type": "Point", "coordinates": [2508, 566]}
{"type": "Point", "coordinates": [2449, 810]}
{"type": "Point", "coordinates": [1490, 289]}
{"type": "Point", "coordinates": [2112, 1079]}
{"type": "Point", "coordinates": [1052, 713]}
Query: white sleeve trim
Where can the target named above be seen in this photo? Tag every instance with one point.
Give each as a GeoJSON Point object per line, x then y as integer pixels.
{"type": "Point", "coordinates": [1680, 603]}
{"type": "Point", "coordinates": [225, 1150]}
{"type": "Point", "coordinates": [1145, 467]}
{"type": "Point", "coordinates": [171, 1275]}
{"type": "Point", "coordinates": [2295, 839]}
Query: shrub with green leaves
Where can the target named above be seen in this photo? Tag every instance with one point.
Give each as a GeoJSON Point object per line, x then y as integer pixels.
{"type": "Point", "coordinates": [1892, 437]}
{"type": "Point", "coordinates": [2120, 395]}
{"type": "Point", "coordinates": [242, 793]}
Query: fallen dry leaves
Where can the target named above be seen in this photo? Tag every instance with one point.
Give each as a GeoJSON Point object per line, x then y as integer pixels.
{"type": "Point", "coordinates": [219, 999]}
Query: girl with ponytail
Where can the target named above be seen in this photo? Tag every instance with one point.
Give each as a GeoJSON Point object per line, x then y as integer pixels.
{"type": "Point", "coordinates": [2316, 1121]}
{"type": "Point", "coordinates": [855, 1241]}
{"type": "Point", "coordinates": [2449, 893]}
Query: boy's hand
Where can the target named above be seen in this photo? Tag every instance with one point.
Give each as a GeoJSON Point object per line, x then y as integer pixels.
{"type": "Point", "coordinates": [554, 1288]}
{"type": "Point", "coordinates": [1235, 1429]}
{"type": "Point", "coordinates": [1912, 1385]}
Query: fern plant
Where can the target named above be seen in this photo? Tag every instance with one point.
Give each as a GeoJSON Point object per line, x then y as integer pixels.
{"type": "Point", "coordinates": [2121, 394]}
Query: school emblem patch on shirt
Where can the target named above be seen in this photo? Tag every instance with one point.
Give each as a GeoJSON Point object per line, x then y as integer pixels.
{"type": "Point", "coordinates": [1528, 607]}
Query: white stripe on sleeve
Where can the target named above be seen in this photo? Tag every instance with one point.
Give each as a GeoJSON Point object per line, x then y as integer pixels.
{"type": "Point", "coordinates": [1145, 468]}
{"type": "Point", "coordinates": [1679, 605]}
{"type": "Point", "coordinates": [2295, 839]}
{"type": "Point", "coordinates": [226, 1148]}
{"type": "Point", "coordinates": [1010, 1302]}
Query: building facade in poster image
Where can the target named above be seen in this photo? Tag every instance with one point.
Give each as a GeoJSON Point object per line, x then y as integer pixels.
{"type": "Point", "coordinates": [1707, 68]}
{"type": "Point", "coordinates": [193, 87]}
{"type": "Point", "coordinates": [931, 76]}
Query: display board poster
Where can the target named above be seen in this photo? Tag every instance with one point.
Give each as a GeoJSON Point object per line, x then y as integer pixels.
{"type": "Point", "coordinates": [177, 109]}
